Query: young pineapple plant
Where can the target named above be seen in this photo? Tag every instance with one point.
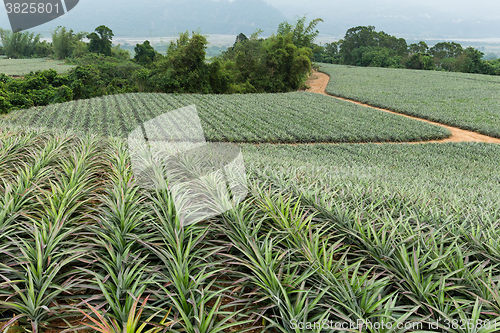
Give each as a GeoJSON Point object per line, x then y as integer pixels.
{"type": "Point", "coordinates": [38, 269]}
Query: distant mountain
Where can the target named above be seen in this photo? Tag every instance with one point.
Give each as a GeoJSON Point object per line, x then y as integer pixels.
{"type": "Point", "coordinates": [166, 17]}
{"type": "Point", "coordinates": [162, 18]}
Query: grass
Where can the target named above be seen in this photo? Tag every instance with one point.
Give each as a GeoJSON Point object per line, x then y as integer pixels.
{"type": "Point", "coordinates": [468, 101]}
{"type": "Point", "coordinates": [347, 233]}
{"type": "Point", "coordinates": [21, 67]}
{"type": "Point", "coordinates": [285, 118]}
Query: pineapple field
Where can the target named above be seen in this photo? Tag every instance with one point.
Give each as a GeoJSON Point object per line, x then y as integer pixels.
{"type": "Point", "coordinates": [346, 227]}
{"type": "Point", "coordinates": [275, 118]}
{"type": "Point", "coordinates": [467, 101]}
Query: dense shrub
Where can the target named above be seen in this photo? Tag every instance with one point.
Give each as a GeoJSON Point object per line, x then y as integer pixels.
{"type": "Point", "coordinates": [419, 61]}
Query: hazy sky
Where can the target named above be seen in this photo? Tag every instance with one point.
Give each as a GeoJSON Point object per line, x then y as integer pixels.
{"type": "Point", "coordinates": [487, 9]}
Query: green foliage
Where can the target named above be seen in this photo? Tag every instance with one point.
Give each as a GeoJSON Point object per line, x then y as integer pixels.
{"type": "Point", "coordinates": [243, 63]}
{"type": "Point", "coordinates": [5, 104]}
{"type": "Point", "coordinates": [420, 47]}
{"type": "Point", "coordinates": [37, 88]}
{"type": "Point", "coordinates": [378, 57]}
{"type": "Point", "coordinates": [64, 42]}
{"type": "Point", "coordinates": [81, 48]}
{"type": "Point", "coordinates": [100, 40]}
{"type": "Point", "coordinates": [118, 53]}
{"type": "Point", "coordinates": [468, 101]}
{"type": "Point", "coordinates": [290, 117]}
{"type": "Point", "coordinates": [301, 35]}
{"type": "Point", "coordinates": [327, 54]}
{"type": "Point", "coordinates": [363, 46]}
{"type": "Point", "coordinates": [218, 78]}
{"type": "Point", "coordinates": [98, 75]}
{"type": "Point", "coordinates": [446, 50]}
{"type": "Point", "coordinates": [285, 65]}
{"type": "Point", "coordinates": [95, 75]}
{"type": "Point", "coordinates": [420, 61]}
{"type": "Point", "coordinates": [24, 44]}
{"type": "Point", "coordinates": [63, 94]}
{"type": "Point", "coordinates": [251, 65]}
{"type": "Point", "coordinates": [240, 39]}
{"type": "Point", "coordinates": [275, 64]}
{"type": "Point", "coordinates": [145, 54]}
{"type": "Point", "coordinates": [183, 69]}
{"type": "Point", "coordinates": [492, 67]}
{"type": "Point", "coordinates": [471, 61]}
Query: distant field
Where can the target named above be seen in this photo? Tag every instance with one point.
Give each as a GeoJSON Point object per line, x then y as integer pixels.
{"type": "Point", "coordinates": [292, 117]}
{"type": "Point", "coordinates": [468, 101]}
{"type": "Point", "coordinates": [20, 67]}
{"type": "Point", "coordinates": [456, 181]}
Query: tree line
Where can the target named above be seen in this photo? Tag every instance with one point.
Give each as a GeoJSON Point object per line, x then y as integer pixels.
{"type": "Point", "coordinates": [364, 46]}
{"type": "Point", "coordinates": [278, 63]}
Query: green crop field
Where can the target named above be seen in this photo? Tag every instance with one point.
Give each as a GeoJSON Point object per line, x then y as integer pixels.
{"type": "Point", "coordinates": [21, 67]}
{"type": "Point", "coordinates": [291, 117]}
{"type": "Point", "coordinates": [346, 233]}
{"type": "Point", "coordinates": [468, 101]}
{"type": "Point", "coordinates": [462, 176]}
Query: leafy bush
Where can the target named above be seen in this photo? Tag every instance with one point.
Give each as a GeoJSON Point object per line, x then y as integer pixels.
{"type": "Point", "coordinates": [419, 61]}
{"type": "Point", "coordinates": [62, 94]}
{"type": "Point", "coordinates": [64, 42]}
{"type": "Point", "coordinates": [5, 104]}
{"type": "Point", "coordinates": [275, 64]}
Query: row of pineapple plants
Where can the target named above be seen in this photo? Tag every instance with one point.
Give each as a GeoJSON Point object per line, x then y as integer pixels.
{"type": "Point", "coordinates": [82, 246]}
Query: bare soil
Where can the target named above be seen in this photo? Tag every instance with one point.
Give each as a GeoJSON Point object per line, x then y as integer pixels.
{"type": "Point", "coordinates": [318, 81]}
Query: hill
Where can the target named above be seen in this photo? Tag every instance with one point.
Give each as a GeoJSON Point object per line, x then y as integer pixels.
{"type": "Point", "coordinates": [167, 17]}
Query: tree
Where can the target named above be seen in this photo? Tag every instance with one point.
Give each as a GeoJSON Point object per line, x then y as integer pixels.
{"type": "Point", "coordinates": [240, 39]}
{"type": "Point", "coordinates": [301, 35]}
{"type": "Point", "coordinates": [355, 38]}
{"type": "Point", "coordinates": [64, 42]}
{"type": "Point", "coordinates": [363, 46]}
{"type": "Point", "coordinates": [100, 40]}
{"type": "Point", "coordinates": [420, 61]}
{"type": "Point", "coordinates": [144, 53]}
{"type": "Point", "coordinates": [421, 47]}
{"type": "Point", "coordinates": [183, 69]}
{"type": "Point", "coordinates": [274, 64]}
{"type": "Point", "coordinates": [446, 50]}
{"type": "Point", "coordinates": [471, 61]}
{"type": "Point", "coordinates": [391, 42]}
{"type": "Point", "coordinates": [287, 65]}
{"type": "Point", "coordinates": [243, 63]}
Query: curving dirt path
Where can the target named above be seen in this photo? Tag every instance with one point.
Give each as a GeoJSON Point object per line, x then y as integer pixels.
{"type": "Point", "coordinates": [318, 82]}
